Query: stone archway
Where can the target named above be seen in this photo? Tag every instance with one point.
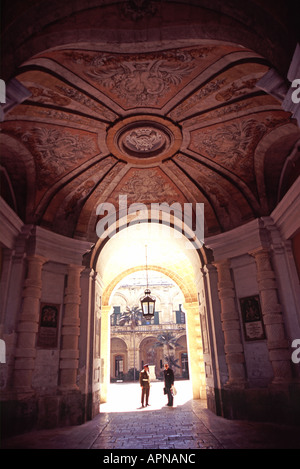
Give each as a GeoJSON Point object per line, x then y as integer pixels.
{"type": "Point", "coordinates": [185, 287]}
{"type": "Point", "coordinates": [181, 267]}
{"type": "Point", "coordinates": [148, 354]}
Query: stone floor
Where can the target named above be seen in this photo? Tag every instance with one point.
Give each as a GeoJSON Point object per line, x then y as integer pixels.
{"type": "Point", "coordinates": [189, 425]}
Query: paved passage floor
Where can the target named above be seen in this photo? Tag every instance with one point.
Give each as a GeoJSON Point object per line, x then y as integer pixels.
{"type": "Point", "coordinates": [123, 424]}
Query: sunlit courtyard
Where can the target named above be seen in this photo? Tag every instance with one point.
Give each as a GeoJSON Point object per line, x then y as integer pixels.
{"type": "Point", "coordinates": [126, 397]}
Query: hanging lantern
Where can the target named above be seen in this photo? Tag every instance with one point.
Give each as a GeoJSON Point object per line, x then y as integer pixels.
{"type": "Point", "coordinates": [148, 305]}
{"type": "Point", "coordinates": [148, 301]}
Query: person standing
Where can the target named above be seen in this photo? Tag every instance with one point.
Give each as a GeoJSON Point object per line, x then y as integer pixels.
{"type": "Point", "coordinates": [145, 385]}
{"type": "Point", "coordinates": [169, 381]}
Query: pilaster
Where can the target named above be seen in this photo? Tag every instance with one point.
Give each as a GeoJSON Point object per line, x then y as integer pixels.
{"type": "Point", "coordinates": [277, 342]}
{"type": "Point", "coordinates": [234, 351]}
{"type": "Point", "coordinates": [69, 355]}
{"type": "Point", "coordinates": [104, 352]}
{"type": "Point", "coordinates": [27, 328]}
{"type": "Point", "coordinates": [195, 346]}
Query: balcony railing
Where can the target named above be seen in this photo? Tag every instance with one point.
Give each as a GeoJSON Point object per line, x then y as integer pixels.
{"type": "Point", "coordinates": [148, 328]}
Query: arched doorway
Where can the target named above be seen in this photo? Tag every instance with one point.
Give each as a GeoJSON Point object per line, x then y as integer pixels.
{"type": "Point", "coordinates": [118, 364]}
{"type": "Point", "coordinates": [148, 353]}
{"type": "Point", "coordinates": [123, 254]}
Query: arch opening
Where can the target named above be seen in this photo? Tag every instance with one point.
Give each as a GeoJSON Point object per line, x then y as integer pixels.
{"type": "Point", "coordinates": [123, 255]}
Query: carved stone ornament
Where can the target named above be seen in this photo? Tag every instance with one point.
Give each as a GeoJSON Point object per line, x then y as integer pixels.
{"type": "Point", "coordinates": [139, 80]}
{"type": "Point", "coordinates": [144, 139]}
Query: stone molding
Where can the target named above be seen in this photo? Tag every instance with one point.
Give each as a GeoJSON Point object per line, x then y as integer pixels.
{"type": "Point", "coordinates": [284, 214]}
{"type": "Point", "coordinates": [253, 235]}
{"type": "Point", "coordinates": [45, 243]}
{"type": "Point", "coordinates": [11, 225]}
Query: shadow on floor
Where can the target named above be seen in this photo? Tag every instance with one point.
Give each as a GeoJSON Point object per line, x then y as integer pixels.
{"type": "Point", "coordinates": [189, 425]}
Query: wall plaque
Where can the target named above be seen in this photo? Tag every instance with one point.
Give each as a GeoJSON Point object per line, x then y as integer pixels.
{"type": "Point", "coordinates": [252, 318]}
{"type": "Point", "coordinates": [48, 327]}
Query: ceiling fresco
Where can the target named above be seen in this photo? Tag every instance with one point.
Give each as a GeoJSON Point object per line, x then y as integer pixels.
{"type": "Point", "coordinates": [182, 124]}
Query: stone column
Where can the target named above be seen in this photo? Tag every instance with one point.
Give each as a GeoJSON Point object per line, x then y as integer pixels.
{"type": "Point", "coordinates": [234, 352]}
{"type": "Point", "coordinates": [105, 352]}
{"type": "Point", "coordinates": [133, 353]}
{"type": "Point", "coordinates": [279, 353]}
{"type": "Point", "coordinates": [69, 355]}
{"type": "Point", "coordinates": [27, 328]}
{"type": "Point", "coordinates": [196, 363]}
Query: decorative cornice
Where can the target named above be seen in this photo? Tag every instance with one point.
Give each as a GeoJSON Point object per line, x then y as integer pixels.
{"type": "Point", "coordinates": [58, 248]}
{"type": "Point", "coordinates": [260, 233]}
{"type": "Point", "coordinates": [286, 214]}
{"type": "Point", "coordinates": [236, 242]}
{"type": "Point", "coordinates": [11, 225]}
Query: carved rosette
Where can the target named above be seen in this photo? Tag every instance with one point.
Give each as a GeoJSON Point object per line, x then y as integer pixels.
{"type": "Point", "coordinates": [144, 140]}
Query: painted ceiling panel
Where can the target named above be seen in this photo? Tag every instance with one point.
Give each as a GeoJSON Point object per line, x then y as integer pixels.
{"type": "Point", "coordinates": [177, 125]}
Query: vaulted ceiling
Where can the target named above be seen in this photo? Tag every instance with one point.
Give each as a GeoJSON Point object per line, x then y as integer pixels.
{"type": "Point", "coordinates": [175, 121]}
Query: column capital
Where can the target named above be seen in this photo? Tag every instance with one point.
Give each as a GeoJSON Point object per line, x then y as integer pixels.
{"type": "Point", "coordinates": [89, 272]}
{"type": "Point", "coordinates": [208, 268]}
{"type": "Point", "coordinates": [76, 268]}
{"type": "Point", "coordinates": [36, 258]}
{"type": "Point", "coordinates": [261, 251]}
{"type": "Point", "coordinates": [222, 263]}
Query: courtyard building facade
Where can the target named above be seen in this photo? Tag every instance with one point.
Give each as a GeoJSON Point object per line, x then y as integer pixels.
{"type": "Point", "coordinates": [136, 341]}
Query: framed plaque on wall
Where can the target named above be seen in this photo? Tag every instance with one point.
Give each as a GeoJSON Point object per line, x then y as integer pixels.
{"type": "Point", "coordinates": [48, 326]}
{"type": "Point", "coordinates": [252, 318]}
